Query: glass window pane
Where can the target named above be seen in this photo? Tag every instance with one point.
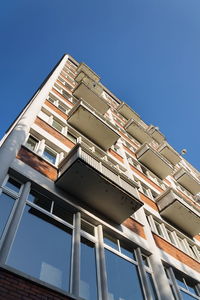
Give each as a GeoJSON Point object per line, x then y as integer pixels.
{"type": "Point", "coordinates": [63, 212]}
{"type": "Point", "coordinates": [42, 249]}
{"type": "Point", "coordinates": [123, 278]}
{"type": "Point", "coordinates": [61, 107]}
{"type": "Point", "coordinates": [85, 226]}
{"type": "Point", "coordinates": [151, 286]}
{"type": "Point", "coordinates": [13, 185]}
{"type": "Point", "coordinates": [31, 143]}
{"type": "Point", "coordinates": [110, 241]}
{"type": "Point", "coordinates": [6, 205]}
{"type": "Point", "coordinates": [57, 125]}
{"type": "Point", "coordinates": [49, 155]}
{"type": "Point", "coordinates": [40, 200]}
{"type": "Point", "coordinates": [185, 296]}
{"type": "Point", "coordinates": [127, 250]}
{"type": "Point", "coordinates": [88, 277]}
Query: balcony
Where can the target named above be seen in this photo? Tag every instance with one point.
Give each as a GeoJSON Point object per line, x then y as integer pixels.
{"type": "Point", "coordinates": [188, 181]}
{"type": "Point", "coordinates": [127, 112]}
{"type": "Point", "coordinates": [83, 70]}
{"type": "Point", "coordinates": [154, 161]}
{"type": "Point", "coordinates": [169, 153]}
{"type": "Point", "coordinates": [179, 212]}
{"type": "Point", "coordinates": [94, 126]}
{"type": "Point", "coordinates": [156, 134]}
{"type": "Point", "coordinates": [137, 131]}
{"type": "Point", "coordinates": [91, 93]}
{"type": "Point", "coordinates": [98, 185]}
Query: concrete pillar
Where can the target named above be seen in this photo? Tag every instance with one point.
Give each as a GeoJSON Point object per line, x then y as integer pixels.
{"type": "Point", "coordinates": [18, 133]}
{"type": "Point", "coordinates": [161, 279]}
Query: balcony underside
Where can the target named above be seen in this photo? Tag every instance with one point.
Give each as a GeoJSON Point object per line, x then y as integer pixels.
{"type": "Point", "coordinates": [80, 177]}
{"type": "Point", "coordinates": [127, 112]}
{"type": "Point", "coordinates": [154, 161]}
{"type": "Point", "coordinates": [93, 126]}
{"type": "Point", "coordinates": [188, 181]}
{"type": "Point", "coordinates": [179, 212]}
{"type": "Point", "coordinates": [83, 70]}
{"type": "Point", "coordinates": [169, 153]}
{"type": "Point", "coordinates": [138, 132]}
{"type": "Point", "coordinates": [89, 96]}
{"type": "Point", "coordinates": [156, 134]}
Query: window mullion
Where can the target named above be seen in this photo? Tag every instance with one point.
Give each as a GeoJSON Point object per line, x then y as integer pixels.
{"type": "Point", "coordinates": [75, 261]}
{"type": "Point", "coordinates": [7, 241]}
{"type": "Point", "coordinates": [174, 284]}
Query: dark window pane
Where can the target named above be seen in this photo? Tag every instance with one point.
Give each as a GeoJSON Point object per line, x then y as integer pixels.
{"type": "Point", "coordinates": [151, 286]}
{"type": "Point", "coordinates": [123, 278]}
{"type": "Point", "coordinates": [145, 260]}
{"type": "Point", "coordinates": [63, 212]}
{"type": "Point", "coordinates": [6, 205]}
{"type": "Point", "coordinates": [42, 249]}
{"type": "Point", "coordinates": [13, 185]}
{"type": "Point", "coordinates": [110, 241]}
{"type": "Point", "coordinates": [179, 279]}
{"type": "Point", "coordinates": [88, 278]}
{"type": "Point", "coordinates": [40, 200]}
{"type": "Point", "coordinates": [85, 226]}
{"type": "Point", "coordinates": [31, 143]}
{"type": "Point", "coordinates": [127, 250]}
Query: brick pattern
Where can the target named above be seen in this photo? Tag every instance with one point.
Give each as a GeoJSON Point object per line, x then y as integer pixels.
{"type": "Point", "coordinates": [14, 287]}
{"type": "Point", "coordinates": [54, 133]}
{"type": "Point", "coordinates": [134, 226]}
{"type": "Point", "coordinates": [37, 163]}
{"type": "Point", "coordinates": [116, 155]}
{"type": "Point", "coordinates": [148, 201]}
{"type": "Point", "coordinates": [56, 109]}
{"type": "Point", "coordinates": [176, 253]}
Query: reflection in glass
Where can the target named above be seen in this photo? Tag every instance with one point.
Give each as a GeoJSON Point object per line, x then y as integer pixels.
{"type": "Point", "coordinates": [6, 205]}
{"type": "Point", "coordinates": [13, 185]}
{"type": "Point", "coordinates": [127, 250]}
{"type": "Point", "coordinates": [88, 278]}
{"type": "Point", "coordinates": [110, 241]}
{"type": "Point", "coordinates": [40, 200]}
{"type": "Point", "coordinates": [123, 278]}
{"type": "Point", "coordinates": [151, 286]}
{"type": "Point", "coordinates": [42, 249]}
{"type": "Point", "coordinates": [186, 296]}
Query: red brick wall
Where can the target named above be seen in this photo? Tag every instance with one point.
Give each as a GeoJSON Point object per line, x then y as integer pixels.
{"type": "Point", "coordinates": [37, 163]}
{"type": "Point", "coordinates": [148, 201]}
{"type": "Point", "coordinates": [116, 155]}
{"type": "Point", "coordinates": [58, 111]}
{"type": "Point", "coordinates": [14, 287]}
{"type": "Point", "coordinates": [176, 253]}
{"type": "Point", "coordinates": [134, 226]}
{"type": "Point", "coordinates": [54, 133]}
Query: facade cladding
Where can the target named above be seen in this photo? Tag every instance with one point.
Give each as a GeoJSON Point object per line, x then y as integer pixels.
{"type": "Point", "coordinates": [94, 203]}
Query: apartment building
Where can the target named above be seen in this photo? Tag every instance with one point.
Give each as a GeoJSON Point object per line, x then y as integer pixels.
{"type": "Point", "coordinates": [94, 203]}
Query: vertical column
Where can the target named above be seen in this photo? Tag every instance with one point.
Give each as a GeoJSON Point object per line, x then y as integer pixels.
{"type": "Point", "coordinates": [102, 265]}
{"type": "Point", "coordinates": [17, 135]}
{"type": "Point", "coordinates": [156, 263]}
{"type": "Point", "coordinates": [75, 278]}
{"type": "Point", "coordinates": [7, 241]}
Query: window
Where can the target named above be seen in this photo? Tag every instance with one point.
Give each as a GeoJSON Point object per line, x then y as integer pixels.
{"type": "Point", "coordinates": [32, 143]}
{"type": "Point", "coordinates": [57, 125]}
{"type": "Point", "coordinates": [49, 155]}
{"type": "Point", "coordinates": [13, 185]}
{"type": "Point", "coordinates": [71, 137]}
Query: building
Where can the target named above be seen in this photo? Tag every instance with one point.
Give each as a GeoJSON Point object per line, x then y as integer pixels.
{"type": "Point", "coordinates": [95, 204]}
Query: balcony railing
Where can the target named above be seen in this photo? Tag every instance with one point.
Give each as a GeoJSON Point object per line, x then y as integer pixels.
{"type": "Point", "coordinates": [188, 181]}
{"type": "Point", "coordinates": [154, 161]}
{"type": "Point", "coordinates": [91, 92]}
{"type": "Point", "coordinates": [93, 125]}
{"type": "Point", "coordinates": [97, 184]}
{"type": "Point", "coordinates": [179, 211]}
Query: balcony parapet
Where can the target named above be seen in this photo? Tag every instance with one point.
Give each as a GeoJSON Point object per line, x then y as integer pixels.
{"type": "Point", "coordinates": [84, 71]}
{"type": "Point", "coordinates": [154, 161]}
{"type": "Point", "coordinates": [179, 211]}
{"type": "Point", "coordinates": [91, 92]}
{"type": "Point", "coordinates": [156, 134]}
{"type": "Point", "coordinates": [188, 181]}
{"type": "Point", "coordinates": [169, 153]}
{"type": "Point", "coordinates": [98, 184]}
{"type": "Point", "coordinates": [127, 112]}
{"type": "Point", "coordinates": [137, 131]}
{"type": "Point", "coordinates": [93, 125]}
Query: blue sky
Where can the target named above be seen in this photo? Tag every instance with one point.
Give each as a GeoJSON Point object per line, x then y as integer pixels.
{"type": "Point", "coordinates": [146, 52]}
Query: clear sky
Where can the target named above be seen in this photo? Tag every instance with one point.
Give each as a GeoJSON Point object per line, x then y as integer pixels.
{"type": "Point", "coordinates": [147, 53]}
